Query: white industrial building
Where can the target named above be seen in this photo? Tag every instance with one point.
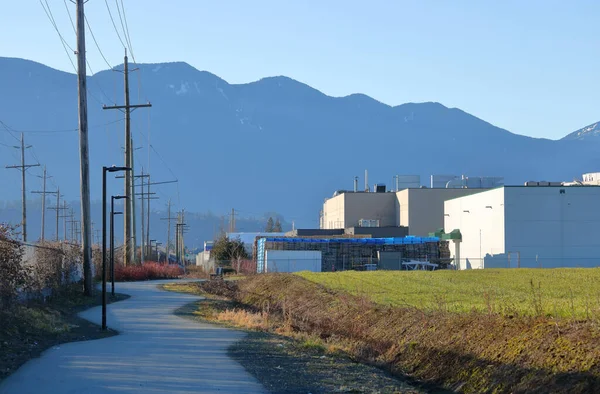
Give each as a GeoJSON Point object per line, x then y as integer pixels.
{"type": "Point", "coordinates": [421, 210]}
{"type": "Point", "coordinates": [249, 238]}
{"type": "Point", "coordinates": [527, 226]}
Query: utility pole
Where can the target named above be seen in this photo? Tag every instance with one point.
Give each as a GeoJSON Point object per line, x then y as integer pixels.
{"type": "Point", "coordinates": [23, 167]}
{"type": "Point", "coordinates": [128, 207]}
{"type": "Point", "coordinates": [142, 247]}
{"type": "Point", "coordinates": [72, 222]}
{"type": "Point", "coordinates": [65, 221]}
{"type": "Point", "coordinates": [97, 236]}
{"type": "Point", "coordinates": [182, 247]}
{"type": "Point", "coordinates": [168, 218]}
{"type": "Point", "coordinates": [133, 228]}
{"type": "Point", "coordinates": [148, 217]}
{"type": "Point", "coordinates": [232, 221]}
{"type": "Point", "coordinates": [58, 209]}
{"type": "Point", "coordinates": [43, 193]}
{"type": "Point", "coordinates": [177, 239]}
{"type": "Point", "coordinates": [84, 163]}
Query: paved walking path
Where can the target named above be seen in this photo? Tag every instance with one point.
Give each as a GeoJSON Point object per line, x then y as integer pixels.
{"type": "Point", "coordinates": [156, 352]}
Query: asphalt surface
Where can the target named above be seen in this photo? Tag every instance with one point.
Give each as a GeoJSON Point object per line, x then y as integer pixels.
{"type": "Point", "coordinates": [155, 352]}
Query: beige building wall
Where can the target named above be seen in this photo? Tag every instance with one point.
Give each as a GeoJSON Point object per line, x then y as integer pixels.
{"type": "Point", "coordinates": [422, 210]}
{"type": "Point", "coordinates": [378, 206]}
{"type": "Point", "coordinates": [345, 210]}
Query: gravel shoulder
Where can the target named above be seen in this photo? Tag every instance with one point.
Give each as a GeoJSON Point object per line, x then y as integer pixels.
{"type": "Point", "coordinates": [288, 365]}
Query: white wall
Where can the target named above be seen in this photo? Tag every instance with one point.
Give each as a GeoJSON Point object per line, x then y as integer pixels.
{"type": "Point", "coordinates": [422, 210]}
{"type": "Point", "coordinates": [562, 229]}
{"type": "Point", "coordinates": [293, 260]}
{"type": "Point", "coordinates": [480, 219]}
{"type": "Point", "coordinates": [527, 227]}
{"type": "Point", "coordinates": [333, 213]}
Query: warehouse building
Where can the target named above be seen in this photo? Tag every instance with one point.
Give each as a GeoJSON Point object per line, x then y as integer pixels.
{"type": "Point", "coordinates": [248, 238]}
{"type": "Point", "coordinates": [286, 254]}
{"type": "Point", "coordinates": [420, 211]}
{"type": "Point", "coordinates": [527, 226]}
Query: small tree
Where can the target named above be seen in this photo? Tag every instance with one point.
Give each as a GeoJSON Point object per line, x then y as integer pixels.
{"type": "Point", "coordinates": [277, 227]}
{"type": "Point", "coordinates": [228, 251]}
{"type": "Point", "coordinates": [270, 227]}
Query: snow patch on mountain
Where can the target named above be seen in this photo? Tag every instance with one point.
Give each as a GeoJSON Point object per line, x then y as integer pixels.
{"type": "Point", "coordinates": [185, 87]}
{"type": "Point", "coordinates": [592, 130]}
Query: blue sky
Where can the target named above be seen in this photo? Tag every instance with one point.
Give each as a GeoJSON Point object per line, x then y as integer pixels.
{"type": "Point", "coordinates": [528, 66]}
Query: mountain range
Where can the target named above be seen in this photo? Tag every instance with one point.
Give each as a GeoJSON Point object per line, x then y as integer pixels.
{"type": "Point", "coordinates": [273, 145]}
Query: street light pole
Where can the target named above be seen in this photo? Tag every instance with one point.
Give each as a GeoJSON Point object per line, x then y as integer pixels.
{"type": "Point", "coordinates": [150, 246]}
{"type": "Point", "coordinates": [112, 251]}
{"type": "Point", "coordinates": [104, 171]}
{"type": "Point", "coordinates": [157, 255]}
{"type": "Point", "coordinates": [112, 240]}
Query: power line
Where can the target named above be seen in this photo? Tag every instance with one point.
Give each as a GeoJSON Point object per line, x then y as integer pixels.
{"type": "Point", "coordinates": [125, 32]}
{"type": "Point", "coordinates": [96, 42]}
{"type": "Point", "coordinates": [9, 130]}
{"type": "Point", "coordinates": [65, 44]}
{"type": "Point", "coordinates": [62, 40]}
{"type": "Point", "coordinates": [59, 130]}
{"type": "Point", "coordinates": [113, 23]}
{"type": "Point", "coordinates": [70, 18]}
{"type": "Point", "coordinates": [127, 35]}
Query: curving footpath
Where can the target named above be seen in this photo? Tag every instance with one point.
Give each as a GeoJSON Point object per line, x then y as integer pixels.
{"type": "Point", "coordinates": [155, 352]}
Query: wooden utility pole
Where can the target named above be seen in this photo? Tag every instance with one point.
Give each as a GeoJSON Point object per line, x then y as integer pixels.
{"type": "Point", "coordinates": [58, 208]}
{"type": "Point", "coordinates": [168, 218]}
{"type": "Point", "coordinates": [142, 243]}
{"type": "Point", "coordinates": [129, 250]}
{"type": "Point", "coordinates": [232, 221]}
{"type": "Point", "coordinates": [43, 193]}
{"type": "Point", "coordinates": [132, 193]}
{"type": "Point", "coordinates": [182, 247]}
{"type": "Point", "coordinates": [84, 160]}
{"type": "Point", "coordinates": [72, 222]}
{"type": "Point", "coordinates": [23, 167]}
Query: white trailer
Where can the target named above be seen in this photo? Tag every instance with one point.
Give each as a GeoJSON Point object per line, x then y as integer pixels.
{"type": "Point", "coordinates": [293, 260]}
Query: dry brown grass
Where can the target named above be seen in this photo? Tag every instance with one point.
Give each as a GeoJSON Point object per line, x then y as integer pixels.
{"type": "Point", "coordinates": [469, 352]}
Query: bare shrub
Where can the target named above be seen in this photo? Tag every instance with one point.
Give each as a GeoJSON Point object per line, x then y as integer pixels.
{"type": "Point", "coordinates": [56, 265]}
{"type": "Point", "coordinates": [13, 275]}
{"type": "Point", "coordinates": [47, 269]}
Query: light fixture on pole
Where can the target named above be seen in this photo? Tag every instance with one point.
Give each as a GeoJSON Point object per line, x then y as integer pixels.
{"type": "Point", "coordinates": [104, 171]}
{"type": "Point", "coordinates": [157, 255]}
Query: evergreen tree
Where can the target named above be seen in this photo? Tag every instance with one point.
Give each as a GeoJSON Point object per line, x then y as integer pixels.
{"type": "Point", "coordinates": [227, 250]}
{"type": "Point", "coordinates": [270, 226]}
{"type": "Point", "coordinates": [277, 227]}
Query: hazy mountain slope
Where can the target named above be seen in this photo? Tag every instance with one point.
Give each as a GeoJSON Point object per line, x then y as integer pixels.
{"type": "Point", "coordinates": [270, 145]}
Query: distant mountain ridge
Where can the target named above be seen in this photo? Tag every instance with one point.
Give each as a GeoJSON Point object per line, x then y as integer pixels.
{"type": "Point", "coordinates": [271, 145]}
{"type": "Point", "coordinates": [587, 133]}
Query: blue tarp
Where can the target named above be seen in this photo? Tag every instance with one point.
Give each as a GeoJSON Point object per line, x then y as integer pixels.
{"type": "Point", "coordinates": [373, 241]}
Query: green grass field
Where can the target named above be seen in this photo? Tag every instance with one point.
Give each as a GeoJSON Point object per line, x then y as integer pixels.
{"type": "Point", "coordinates": [568, 293]}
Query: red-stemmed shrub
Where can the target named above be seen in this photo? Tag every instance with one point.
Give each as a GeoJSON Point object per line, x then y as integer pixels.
{"type": "Point", "coordinates": [147, 271]}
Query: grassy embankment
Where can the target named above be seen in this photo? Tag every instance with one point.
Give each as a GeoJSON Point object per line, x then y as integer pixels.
{"type": "Point", "coordinates": [27, 330]}
{"type": "Point", "coordinates": [473, 331]}
{"type": "Point", "coordinates": [561, 293]}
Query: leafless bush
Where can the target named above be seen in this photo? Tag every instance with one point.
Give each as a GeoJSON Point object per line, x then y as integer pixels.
{"type": "Point", "coordinates": [46, 269]}
{"type": "Point", "coordinates": [55, 266]}
{"type": "Point", "coordinates": [13, 275]}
